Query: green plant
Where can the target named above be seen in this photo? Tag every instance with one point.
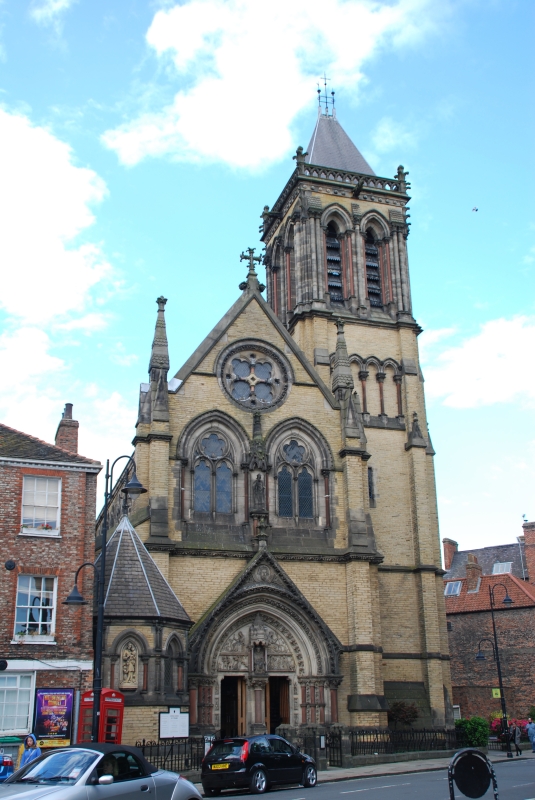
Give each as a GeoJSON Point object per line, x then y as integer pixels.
{"type": "Point", "coordinates": [402, 712]}
{"type": "Point", "coordinates": [474, 732]}
{"type": "Point", "coordinates": [531, 712]}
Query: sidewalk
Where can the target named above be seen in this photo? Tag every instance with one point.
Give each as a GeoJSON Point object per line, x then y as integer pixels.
{"type": "Point", "coordinates": [380, 770]}
{"type": "Point", "coordinates": [399, 768]}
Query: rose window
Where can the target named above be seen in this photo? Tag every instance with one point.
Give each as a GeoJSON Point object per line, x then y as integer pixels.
{"type": "Point", "coordinates": [256, 378]}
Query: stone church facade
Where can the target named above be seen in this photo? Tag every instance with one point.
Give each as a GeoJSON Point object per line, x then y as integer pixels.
{"type": "Point", "coordinates": [291, 502]}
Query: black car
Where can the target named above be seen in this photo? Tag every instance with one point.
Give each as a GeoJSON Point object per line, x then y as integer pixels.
{"type": "Point", "coordinates": [255, 762]}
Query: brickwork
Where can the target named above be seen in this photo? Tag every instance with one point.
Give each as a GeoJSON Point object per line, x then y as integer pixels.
{"type": "Point", "coordinates": [48, 553]}
{"type": "Point", "coordinates": [473, 680]}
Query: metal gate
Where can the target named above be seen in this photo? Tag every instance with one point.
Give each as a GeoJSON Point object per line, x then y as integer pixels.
{"type": "Point", "coordinates": [333, 745]}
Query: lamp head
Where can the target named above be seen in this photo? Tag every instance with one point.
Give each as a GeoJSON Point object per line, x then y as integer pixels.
{"type": "Point", "coordinates": [75, 598]}
{"type": "Point", "coordinates": [133, 487]}
{"type": "Point", "coordinates": [480, 656]}
{"type": "Point", "coordinates": [507, 600]}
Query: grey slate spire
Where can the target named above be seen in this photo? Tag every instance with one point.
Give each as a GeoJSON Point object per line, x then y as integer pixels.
{"type": "Point", "coordinates": [330, 146]}
{"type": "Point", "coordinates": [158, 367]}
{"type": "Point", "coordinates": [134, 586]}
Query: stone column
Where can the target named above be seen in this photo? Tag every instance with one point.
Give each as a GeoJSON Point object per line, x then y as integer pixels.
{"type": "Point", "coordinates": [259, 688]}
{"type": "Point", "coordinates": [394, 260]}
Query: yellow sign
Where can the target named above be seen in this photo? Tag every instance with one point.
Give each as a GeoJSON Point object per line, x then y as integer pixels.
{"type": "Point", "coordinates": [53, 743]}
{"type": "Point", "coordinates": [496, 694]}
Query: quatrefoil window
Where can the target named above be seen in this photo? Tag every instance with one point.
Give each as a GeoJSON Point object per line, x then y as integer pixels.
{"type": "Point", "coordinates": [256, 377]}
{"type": "Point", "coordinates": [294, 452]}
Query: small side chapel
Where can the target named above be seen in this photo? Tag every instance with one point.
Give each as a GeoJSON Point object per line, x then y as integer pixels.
{"type": "Point", "coordinates": [287, 557]}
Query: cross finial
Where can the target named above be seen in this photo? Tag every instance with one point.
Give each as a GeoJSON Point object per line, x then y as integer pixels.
{"type": "Point", "coordinates": [326, 100]}
{"type": "Point", "coordinates": [251, 258]}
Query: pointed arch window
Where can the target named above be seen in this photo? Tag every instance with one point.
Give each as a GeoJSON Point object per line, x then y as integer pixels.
{"type": "Point", "coordinates": [223, 489]}
{"type": "Point", "coordinates": [304, 494]}
{"type": "Point", "coordinates": [334, 264]}
{"type": "Point", "coordinates": [203, 488]}
{"type": "Point", "coordinates": [373, 272]}
{"type": "Point", "coordinates": [285, 493]}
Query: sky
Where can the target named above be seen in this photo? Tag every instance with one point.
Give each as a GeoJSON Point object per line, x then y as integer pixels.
{"type": "Point", "coordinates": [140, 140]}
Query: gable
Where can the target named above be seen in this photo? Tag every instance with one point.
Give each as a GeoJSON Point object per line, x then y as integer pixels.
{"type": "Point", "coordinates": [251, 317]}
{"type": "Point", "coordinates": [264, 582]}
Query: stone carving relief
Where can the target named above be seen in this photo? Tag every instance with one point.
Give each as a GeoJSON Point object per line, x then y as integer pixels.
{"type": "Point", "coordinates": [129, 666]}
{"type": "Point", "coordinates": [256, 646]}
{"type": "Point", "coordinates": [234, 655]}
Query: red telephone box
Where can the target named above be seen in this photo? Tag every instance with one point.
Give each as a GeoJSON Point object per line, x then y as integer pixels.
{"type": "Point", "coordinates": [110, 728]}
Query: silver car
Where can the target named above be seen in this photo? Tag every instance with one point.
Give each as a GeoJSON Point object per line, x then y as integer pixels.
{"type": "Point", "coordinates": [95, 772]}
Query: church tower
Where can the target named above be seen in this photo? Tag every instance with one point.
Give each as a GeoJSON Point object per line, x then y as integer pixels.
{"type": "Point", "coordinates": [291, 500]}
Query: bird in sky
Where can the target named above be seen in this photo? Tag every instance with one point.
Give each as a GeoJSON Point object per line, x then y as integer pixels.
{"type": "Point", "coordinates": [475, 209]}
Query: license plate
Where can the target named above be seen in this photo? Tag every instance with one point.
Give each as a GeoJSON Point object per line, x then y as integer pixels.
{"type": "Point", "coordinates": [220, 766]}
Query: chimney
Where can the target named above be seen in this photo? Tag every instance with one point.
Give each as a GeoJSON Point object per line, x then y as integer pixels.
{"type": "Point", "coordinates": [529, 549]}
{"type": "Point", "coordinates": [67, 432]}
{"type": "Point", "coordinates": [450, 548]}
{"type": "Point", "coordinates": [473, 573]}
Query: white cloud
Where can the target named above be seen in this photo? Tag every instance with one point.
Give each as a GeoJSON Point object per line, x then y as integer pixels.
{"type": "Point", "coordinates": [390, 135]}
{"type": "Point", "coordinates": [491, 367]}
{"type": "Point", "coordinates": [529, 258]}
{"type": "Point", "coordinates": [50, 282]}
{"type": "Point", "coordinates": [45, 203]}
{"type": "Point", "coordinates": [269, 58]}
{"type": "Point", "coordinates": [48, 12]}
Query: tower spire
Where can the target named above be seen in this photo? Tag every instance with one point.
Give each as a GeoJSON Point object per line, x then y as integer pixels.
{"type": "Point", "coordinates": [158, 367]}
{"type": "Point", "coordinates": [159, 357]}
{"type": "Point", "coordinates": [342, 375]}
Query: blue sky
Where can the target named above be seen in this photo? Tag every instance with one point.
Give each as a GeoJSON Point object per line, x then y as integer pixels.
{"type": "Point", "coordinates": [140, 140]}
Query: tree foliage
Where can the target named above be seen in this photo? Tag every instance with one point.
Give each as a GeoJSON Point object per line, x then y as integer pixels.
{"type": "Point", "coordinates": [402, 713]}
{"type": "Point", "coordinates": [474, 731]}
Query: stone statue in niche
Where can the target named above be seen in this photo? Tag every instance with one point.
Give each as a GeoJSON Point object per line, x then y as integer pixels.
{"type": "Point", "coordinates": [259, 493]}
{"type": "Point", "coordinates": [259, 659]}
{"type": "Point", "coordinates": [129, 666]}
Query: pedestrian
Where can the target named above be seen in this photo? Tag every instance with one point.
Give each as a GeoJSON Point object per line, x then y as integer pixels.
{"type": "Point", "coordinates": [31, 751]}
{"type": "Point", "coordinates": [530, 728]}
{"type": "Point", "coordinates": [514, 733]}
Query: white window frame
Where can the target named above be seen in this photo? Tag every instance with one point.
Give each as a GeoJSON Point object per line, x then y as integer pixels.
{"type": "Point", "coordinates": [26, 531]}
{"type": "Point", "coordinates": [18, 731]}
{"type": "Point", "coordinates": [504, 567]}
{"type": "Point", "coordinates": [456, 590]}
{"type": "Point", "coordinates": [37, 638]}
{"type": "Point", "coordinates": [457, 712]}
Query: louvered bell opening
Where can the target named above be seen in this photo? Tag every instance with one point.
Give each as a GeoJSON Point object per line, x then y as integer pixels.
{"type": "Point", "coordinates": [373, 274]}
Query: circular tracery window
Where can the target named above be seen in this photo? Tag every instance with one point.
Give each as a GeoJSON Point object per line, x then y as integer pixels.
{"type": "Point", "coordinates": [255, 376]}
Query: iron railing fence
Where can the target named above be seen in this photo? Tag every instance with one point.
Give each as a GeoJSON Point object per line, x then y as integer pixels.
{"type": "Point", "coordinates": [176, 755]}
{"type": "Point", "coordinates": [381, 741]}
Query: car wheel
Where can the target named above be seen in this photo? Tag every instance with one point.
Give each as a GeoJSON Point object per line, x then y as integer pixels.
{"type": "Point", "coordinates": [258, 782]}
{"type": "Point", "coordinates": [310, 777]}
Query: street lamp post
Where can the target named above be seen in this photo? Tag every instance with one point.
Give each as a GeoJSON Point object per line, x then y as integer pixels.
{"type": "Point", "coordinates": [134, 488]}
{"type": "Point", "coordinates": [496, 653]}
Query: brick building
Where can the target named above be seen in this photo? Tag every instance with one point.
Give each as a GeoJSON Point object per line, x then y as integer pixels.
{"type": "Point", "coordinates": [291, 495]}
{"type": "Point", "coordinates": [47, 517]}
{"type": "Point", "coordinates": [466, 585]}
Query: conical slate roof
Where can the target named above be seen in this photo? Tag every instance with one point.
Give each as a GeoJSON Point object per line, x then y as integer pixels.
{"type": "Point", "coordinates": [330, 146]}
{"type": "Point", "coordinates": [134, 586]}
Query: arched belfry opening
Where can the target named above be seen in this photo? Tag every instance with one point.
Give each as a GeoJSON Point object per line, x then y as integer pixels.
{"type": "Point", "coordinates": [373, 270]}
{"type": "Point", "coordinates": [334, 265]}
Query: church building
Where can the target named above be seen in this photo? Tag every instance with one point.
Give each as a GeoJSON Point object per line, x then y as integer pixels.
{"type": "Point", "coordinates": [290, 528]}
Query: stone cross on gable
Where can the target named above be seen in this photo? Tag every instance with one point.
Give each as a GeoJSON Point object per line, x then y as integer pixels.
{"type": "Point", "coordinates": [251, 258]}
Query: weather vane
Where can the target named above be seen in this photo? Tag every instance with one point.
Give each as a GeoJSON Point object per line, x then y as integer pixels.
{"type": "Point", "coordinates": [325, 99]}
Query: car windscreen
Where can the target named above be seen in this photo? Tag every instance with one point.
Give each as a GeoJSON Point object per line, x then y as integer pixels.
{"type": "Point", "coordinates": [61, 767]}
{"type": "Point", "coordinates": [224, 749]}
